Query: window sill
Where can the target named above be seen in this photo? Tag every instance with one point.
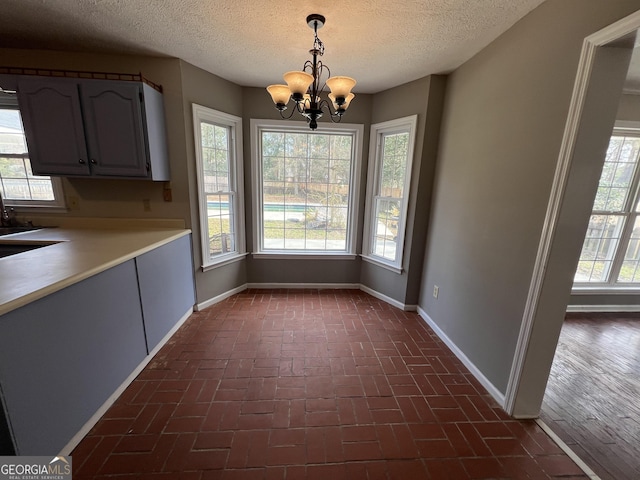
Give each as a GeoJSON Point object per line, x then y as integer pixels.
{"type": "Point", "coordinates": [46, 209]}
{"type": "Point", "coordinates": [606, 290]}
{"type": "Point", "coordinates": [224, 261]}
{"type": "Point", "coordinates": [304, 256]}
{"type": "Point", "coordinates": [382, 264]}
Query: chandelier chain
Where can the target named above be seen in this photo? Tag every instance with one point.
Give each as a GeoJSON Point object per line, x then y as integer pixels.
{"type": "Point", "coordinates": [306, 86]}
{"type": "Point", "coordinates": [317, 43]}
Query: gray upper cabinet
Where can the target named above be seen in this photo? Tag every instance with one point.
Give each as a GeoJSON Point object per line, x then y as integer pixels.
{"type": "Point", "coordinates": [97, 128]}
{"type": "Point", "coordinates": [53, 126]}
{"type": "Point", "coordinates": [113, 115]}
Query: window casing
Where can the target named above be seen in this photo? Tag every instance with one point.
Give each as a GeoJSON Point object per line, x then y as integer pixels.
{"type": "Point", "coordinates": [306, 186]}
{"type": "Point", "coordinates": [610, 256]}
{"type": "Point", "coordinates": [19, 187]}
{"type": "Point", "coordinates": [218, 141]}
{"type": "Point", "coordinates": [389, 177]}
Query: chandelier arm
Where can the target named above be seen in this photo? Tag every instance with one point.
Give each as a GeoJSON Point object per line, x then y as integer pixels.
{"type": "Point", "coordinates": [287, 117]}
{"type": "Point", "coordinates": [310, 104]}
{"type": "Point", "coordinates": [324, 104]}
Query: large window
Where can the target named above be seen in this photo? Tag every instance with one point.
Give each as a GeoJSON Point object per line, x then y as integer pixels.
{"type": "Point", "coordinates": [218, 139]}
{"type": "Point", "coordinates": [305, 187]}
{"type": "Point", "coordinates": [18, 185]}
{"type": "Point", "coordinates": [390, 160]}
{"type": "Point", "coordinates": [611, 250]}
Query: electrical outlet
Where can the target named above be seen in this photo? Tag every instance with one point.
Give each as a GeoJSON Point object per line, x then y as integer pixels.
{"type": "Point", "coordinates": [436, 290]}
{"type": "Point", "coordinates": [146, 203]}
{"type": "Point", "coordinates": [73, 202]}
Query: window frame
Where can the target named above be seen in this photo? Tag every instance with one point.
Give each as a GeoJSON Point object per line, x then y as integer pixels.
{"type": "Point", "coordinates": [9, 101]}
{"type": "Point", "coordinates": [236, 184]}
{"type": "Point", "coordinates": [628, 216]}
{"type": "Point", "coordinates": [288, 126]}
{"type": "Point", "coordinates": [374, 176]}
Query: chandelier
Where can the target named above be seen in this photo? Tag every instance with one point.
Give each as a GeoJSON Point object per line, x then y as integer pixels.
{"type": "Point", "coordinates": [306, 86]}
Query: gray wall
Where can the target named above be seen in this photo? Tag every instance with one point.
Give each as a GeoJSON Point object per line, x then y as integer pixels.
{"type": "Point", "coordinates": [185, 84]}
{"type": "Point", "coordinates": [124, 198]}
{"type": "Point", "coordinates": [424, 97]}
{"type": "Point", "coordinates": [629, 108]}
{"type": "Point", "coordinates": [258, 105]}
{"type": "Point", "coordinates": [204, 88]}
{"type": "Point", "coordinates": [503, 122]}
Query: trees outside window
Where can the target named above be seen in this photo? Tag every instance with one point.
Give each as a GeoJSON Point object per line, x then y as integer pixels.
{"type": "Point", "coordinates": [611, 251]}
{"type": "Point", "coordinates": [305, 187]}
{"type": "Point", "coordinates": [18, 185]}
{"type": "Point", "coordinates": [390, 161]}
{"type": "Point", "coordinates": [218, 140]}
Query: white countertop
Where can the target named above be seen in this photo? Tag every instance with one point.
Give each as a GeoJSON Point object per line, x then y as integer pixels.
{"type": "Point", "coordinates": [78, 254]}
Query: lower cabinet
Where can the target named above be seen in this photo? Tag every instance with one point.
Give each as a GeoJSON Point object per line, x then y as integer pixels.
{"type": "Point", "coordinates": [165, 298]}
{"type": "Point", "coordinates": [63, 356]}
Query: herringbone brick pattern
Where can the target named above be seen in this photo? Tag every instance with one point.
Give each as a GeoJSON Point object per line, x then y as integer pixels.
{"type": "Point", "coordinates": [308, 384]}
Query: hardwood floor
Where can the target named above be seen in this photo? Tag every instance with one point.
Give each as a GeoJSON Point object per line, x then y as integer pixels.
{"type": "Point", "coordinates": [592, 400]}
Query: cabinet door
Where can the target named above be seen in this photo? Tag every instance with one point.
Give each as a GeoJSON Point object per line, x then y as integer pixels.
{"type": "Point", "coordinates": [63, 356]}
{"type": "Point", "coordinates": [53, 126]}
{"type": "Point", "coordinates": [165, 279]}
{"type": "Point", "coordinates": [114, 128]}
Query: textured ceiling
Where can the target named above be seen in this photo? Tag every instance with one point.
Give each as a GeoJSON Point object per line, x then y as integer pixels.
{"type": "Point", "coordinates": [381, 43]}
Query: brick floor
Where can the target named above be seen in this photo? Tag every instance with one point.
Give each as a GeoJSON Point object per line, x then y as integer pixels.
{"type": "Point", "coordinates": [311, 384]}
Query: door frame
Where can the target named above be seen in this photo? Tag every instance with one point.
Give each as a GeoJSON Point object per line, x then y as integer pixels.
{"type": "Point", "coordinates": [586, 64]}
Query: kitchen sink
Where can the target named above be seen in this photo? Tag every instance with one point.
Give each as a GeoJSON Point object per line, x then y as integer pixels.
{"type": "Point", "coordinates": [9, 230]}
{"type": "Point", "coordinates": [8, 249]}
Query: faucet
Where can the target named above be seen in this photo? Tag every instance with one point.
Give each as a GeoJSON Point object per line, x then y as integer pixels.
{"type": "Point", "coordinates": [5, 217]}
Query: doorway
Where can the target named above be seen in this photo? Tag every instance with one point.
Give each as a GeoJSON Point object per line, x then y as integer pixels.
{"type": "Point", "coordinates": [591, 400]}
{"type": "Point", "coordinates": [602, 73]}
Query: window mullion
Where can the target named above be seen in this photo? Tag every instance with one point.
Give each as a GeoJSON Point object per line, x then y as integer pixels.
{"type": "Point", "coordinates": [630, 206]}
{"type": "Point", "coordinates": [621, 249]}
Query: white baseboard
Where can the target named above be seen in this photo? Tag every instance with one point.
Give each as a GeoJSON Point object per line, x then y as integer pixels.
{"type": "Point", "coordinates": [223, 296]}
{"type": "Point", "coordinates": [86, 428]}
{"type": "Point", "coordinates": [603, 308]}
{"type": "Point", "coordinates": [314, 286]}
{"type": "Point", "coordinates": [566, 449]}
{"type": "Point", "coordinates": [475, 371]}
{"type": "Point", "coordinates": [389, 300]}
{"type": "Point", "coordinates": [311, 286]}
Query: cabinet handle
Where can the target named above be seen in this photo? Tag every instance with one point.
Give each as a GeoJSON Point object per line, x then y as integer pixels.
{"type": "Point", "coordinates": [93, 161]}
{"type": "Point", "coordinates": [81, 161]}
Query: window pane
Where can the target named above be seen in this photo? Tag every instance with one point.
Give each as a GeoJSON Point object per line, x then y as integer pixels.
{"type": "Point", "coordinates": [630, 273]}
{"type": "Point", "coordinates": [215, 157]}
{"type": "Point", "coordinates": [385, 236]}
{"type": "Point", "coordinates": [17, 181]}
{"type": "Point", "coordinates": [599, 248]}
{"type": "Point", "coordinates": [221, 224]}
{"type": "Point", "coordinates": [617, 173]}
{"type": "Point", "coordinates": [305, 190]}
{"type": "Point", "coordinates": [389, 170]}
{"type": "Point", "coordinates": [394, 164]}
{"type": "Point", "coordinates": [41, 189]}
{"type": "Point", "coordinates": [219, 195]}
{"type": "Point", "coordinates": [11, 134]}
{"type": "Point", "coordinates": [12, 168]}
